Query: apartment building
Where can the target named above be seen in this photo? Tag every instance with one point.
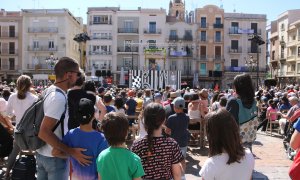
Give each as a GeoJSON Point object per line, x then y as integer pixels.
{"type": "Point", "coordinates": [47, 36]}
{"type": "Point", "coordinates": [210, 45]}
{"type": "Point", "coordinates": [10, 45]}
{"type": "Point", "coordinates": [242, 55]}
{"type": "Point", "coordinates": [286, 47]}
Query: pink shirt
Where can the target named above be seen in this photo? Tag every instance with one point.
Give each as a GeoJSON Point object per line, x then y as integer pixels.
{"type": "Point", "coordinates": [273, 116]}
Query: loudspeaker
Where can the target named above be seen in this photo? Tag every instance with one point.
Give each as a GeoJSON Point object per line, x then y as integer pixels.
{"type": "Point", "coordinates": [108, 73]}
{"type": "Point", "coordinates": [98, 73]}
{"type": "Point", "coordinates": [103, 73]}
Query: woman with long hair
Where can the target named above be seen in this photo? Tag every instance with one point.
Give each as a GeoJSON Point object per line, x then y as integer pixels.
{"type": "Point", "coordinates": [17, 104]}
{"type": "Point", "coordinates": [161, 156]}
{"type": "Point", "coordinates": [243, 108]}
{"type": "Point", "coordinates": [227, 157]}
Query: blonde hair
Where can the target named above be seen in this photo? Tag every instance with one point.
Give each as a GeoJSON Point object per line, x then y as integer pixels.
{"type": "Point", "coordinates": [23, 86]}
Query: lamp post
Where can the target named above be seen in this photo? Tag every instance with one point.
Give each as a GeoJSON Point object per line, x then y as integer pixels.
{"type": "Point", "coordinates": [51, 61]}
{"type": "Point", "coordinates": [258, 41]}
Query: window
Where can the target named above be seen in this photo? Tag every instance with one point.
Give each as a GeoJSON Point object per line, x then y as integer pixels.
{"type": "Point", "coordinates": [282, 51]}
{"type": "Point", "coordinates": [203, 51]}
{"type": "Point", "coordinates": [51, 44]}
{"type": "Point", "coordinates": [127, 45]}
{"type": "Point", "coordinates": [254, 27]}
{"type": "Point", "coordinates": [11, 63]}
{"type": "Point", "coordinates": [203, 36]}
{"type": "Point", "coordinates": [234, 44]}
{"type": "Point", "coordinates": [218, 20]}
{"type": "Point", "coordinates": [100, 19]}
{"type": "Point", "coordinates": [218, 36]}
{"type": "Point", "coordinates": [11, 31]}
{"type": "Point", "coordinates": [96, 48]}
{"type": "Point", "coordinates": [128, 26]}
{"type": "Point", "coordinates": [173, 65]}
{"type": "Point", "coordinates": [282, 27]}
{"type": "Point", "coordinates": [11, 48]}
{"type": "Point", "coordinates": [152, 27]}
{"type": "Point", "coordinates": [203, 22]}
{"type": "Point", "coordinates": [127, 62]}
{"type": "Point", "coordinates": [298, 67]}
{"type": "Point", "coordinates": [35, 44]}
{"type": "Point", "coordinates": [298, 50]}
{"type": "Point", "coordinates": [103, 48]}
{"type": "Point", "coordinates": [273, 55]}
{"type": "Point", "coordinates": [218, 67]}
{"type": "Point", "coordinates": [173, 33]}
{"type": "Point", "coordinates": [218, 52]}
{"type": "Point", "coordinates": [234, 63]}
{"type": "Point", "coordinates": [234, 27]}
{"type": "Point", "coordinates": [203, 69]}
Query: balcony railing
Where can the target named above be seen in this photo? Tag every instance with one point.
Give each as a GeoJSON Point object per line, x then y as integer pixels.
{"type": "Point", "coordinates": [291, 58]}
{"type": "Point", "coordinates": [218, 58]}
{"type": "Point", "coordinates": [234, 30]}
{"type": "Point", "coordinates": [9, 67]}
{"type": "Point", "coordinates": [128, 49]}
{"type": "Point", "coordinates": [173, 38]}
{"type": "Point", "coordinates": [254, 50]}
{"type": "Point", "coordinates": [43, 30]}
{"type": "Point", "coordinates": [100, 22]}
{"type": "Point", "coordinates": [217, 74]}
{"type": "Point", "coordinates": [218, 25]}
{"type": "Point", "coordinates": [187, 38]}
{"type": "Point", "coordinates": [235, 50]}
{"type": "Point", "coordinates": [152, 31]}
{"type": "Point", "coordinates": [128, 30]}
{"type": "Point", "coordinates": [8, 52]}
{"type": "Point", "coordinates": [202, 39]}
{"type": "Point", "coordinates": [38, 66]}
{"type": "Point", "coordinates": [180, 54]}
{"type": "Point", "coordinates": [126, 68]}
{"type": "Point", "coordinates": [243, 69]}
{"type": "Point", "coordinates": [42, 48]}
{"type": "Point", "coordinates": [217, 40]}
{"type": "Point", "coordinates": [203, 57]}
{"type": "Point", "coordinates": [6, 34]}
{"type": "Point", "coordinates": [203, 25]}
{"type": "Point", "coordinates": [102, 37]}
{"type": "Point", "coordinates": [100, 52]}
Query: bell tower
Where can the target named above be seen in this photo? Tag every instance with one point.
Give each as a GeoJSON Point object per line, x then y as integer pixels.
{"type": "Point", "coordinates": [177, 9]}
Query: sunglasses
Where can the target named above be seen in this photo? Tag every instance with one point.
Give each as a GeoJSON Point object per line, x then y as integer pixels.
{"type": "Point", "coordinates": [77, 73]}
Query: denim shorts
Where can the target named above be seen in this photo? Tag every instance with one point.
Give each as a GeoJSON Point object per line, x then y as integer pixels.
{"type": "Point", "coordinates": [183, 151]}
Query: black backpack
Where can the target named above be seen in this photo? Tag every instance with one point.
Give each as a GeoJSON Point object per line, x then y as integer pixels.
{"type": "Point", "coordinates": [24, 168]}
{"type": "Point", "coordinates": [6, 142]}
{"type": "Point", "coordinates": [26, 132]}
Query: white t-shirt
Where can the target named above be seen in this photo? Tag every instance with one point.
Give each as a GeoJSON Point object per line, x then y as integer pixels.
{"type": "Point", "coordinates": [17, 107]}
{"type": "Point", "coordinates": [3, 105]}
{"type": "Point", "coordinates": [54, 106]}
{"type": "Point", "coordinates": [216, 168]}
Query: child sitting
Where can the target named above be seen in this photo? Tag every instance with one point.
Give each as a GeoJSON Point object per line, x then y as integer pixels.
{"type": "Point", "coordinates": [87, 138]}
{"type": "Point", "coordinates": [117, 162]}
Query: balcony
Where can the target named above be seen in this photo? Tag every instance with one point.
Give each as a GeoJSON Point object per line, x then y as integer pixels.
{"type": "Point", "coordinates": [291, 58]}
{"type": "Point", "coordinates": [218, 26]}
{"type": "Point", "coordinates": [187, 37]}
{"type": "Point", "coordinates": [217, 40]}
{"type": "Point", "coordinates": [180, 54]}
{"type": "Point", "coordinates": [243, 69]}
{"type": "Point", "coordinates": [102, 37]}
{"type": "Point", "coordinates": [100, 53]}
{"type": "Point", "coordinates": [128, 30]}
{"type": "Point", "coordinates": [233, 31]}
{"type": "Point", "coordinates": [203, 25]}
{"type": "Point", "coordinates": [203, 57]}
{"type": "Point", "coordinates": [100, 22]}
{"type": "Point", "coordinates": [202, 39]}
{"type": "Point", "coordinates": [126, 68]}
{"type": "Point", "coordinates": [218, 58]}
{"type": "Point", "coordinates": [43, 30]}
{"type": "Point", "coordinates": [8, 52]}
{"type": "Point", "coordinates": [254, 50]}
{"type": "Point", "coordinates": [128, 49]}
{"type": "Point", "coordinates": [152, 31]}
{"type": "Point", "coordinates": [6, 35]}
{"type": "Point", "coordinates": [37, 66]}
{"type": "Point", "coordinates": [173, 38]}
{"type": "Point", "coordinates": [9, 67]}
{"type": "Point", "coordinates": [235, 50]}
{"type": "Point", "coordinates": [217, 74]}
{"type": "Point", "coordinates": [42, 48]}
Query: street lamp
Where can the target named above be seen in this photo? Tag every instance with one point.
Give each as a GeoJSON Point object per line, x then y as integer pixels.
{"type": "Point", "coordinates": [258, 41]}
{"type": "Point", "coordinates": [51, 61]}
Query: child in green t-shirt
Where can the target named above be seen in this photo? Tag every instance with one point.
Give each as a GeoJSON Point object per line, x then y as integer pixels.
{"type": "Point", "coordinates": [117, 162]}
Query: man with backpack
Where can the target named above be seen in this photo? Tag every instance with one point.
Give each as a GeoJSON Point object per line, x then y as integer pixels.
{"type": "Point", "coordinates": [49, 167]}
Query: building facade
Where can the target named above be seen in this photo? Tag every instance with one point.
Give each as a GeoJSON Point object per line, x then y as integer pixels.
{"type": "Point", "coordinates": [47, 36]}
{"type": "Point", "coordinates": [242, 55]}
{"type": "Point", "coordinates": [10, 45]}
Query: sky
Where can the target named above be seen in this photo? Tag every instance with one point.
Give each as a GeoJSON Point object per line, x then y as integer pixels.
{"type": "Point", "coordinates": [272, 8]}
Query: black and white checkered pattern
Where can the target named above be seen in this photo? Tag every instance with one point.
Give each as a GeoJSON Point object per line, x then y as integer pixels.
{"type": "Point", "coordinates": [136, 82]}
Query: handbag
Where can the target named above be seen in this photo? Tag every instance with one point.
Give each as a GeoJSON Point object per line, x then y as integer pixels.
{"type": "Point", "coordinates": [294, 171]}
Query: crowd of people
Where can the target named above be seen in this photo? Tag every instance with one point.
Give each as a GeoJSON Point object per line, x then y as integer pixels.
{"type": "Point", "coordinates": [91, 143]}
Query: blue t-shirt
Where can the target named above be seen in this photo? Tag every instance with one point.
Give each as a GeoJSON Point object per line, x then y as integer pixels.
{"type": "Point", "coordinates": [110, 109]}
{"type": "Point", "coordinates": [131, 103]}
{"type": "Point", "coordinates": [94, 142]}
{"type": "Point", "coordinates": [178, 123]}
{"type": "Point", "coordinates": [297, 125]}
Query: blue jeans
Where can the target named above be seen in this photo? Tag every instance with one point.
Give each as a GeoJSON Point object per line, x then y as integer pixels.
{"type": "Point", "coordinates": [51, 168]}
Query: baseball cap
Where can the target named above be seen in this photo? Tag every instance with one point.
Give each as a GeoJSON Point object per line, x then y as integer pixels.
{"type": "Point", "coordinates": [86, 110]}
{"type": "Point", "coordinates": [178, 102]}
{"type": "Point", "coordinates": [157, 95]}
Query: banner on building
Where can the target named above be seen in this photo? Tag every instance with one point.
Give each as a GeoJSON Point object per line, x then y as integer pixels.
{"type": "Point", "coordinates": [154, 79]}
